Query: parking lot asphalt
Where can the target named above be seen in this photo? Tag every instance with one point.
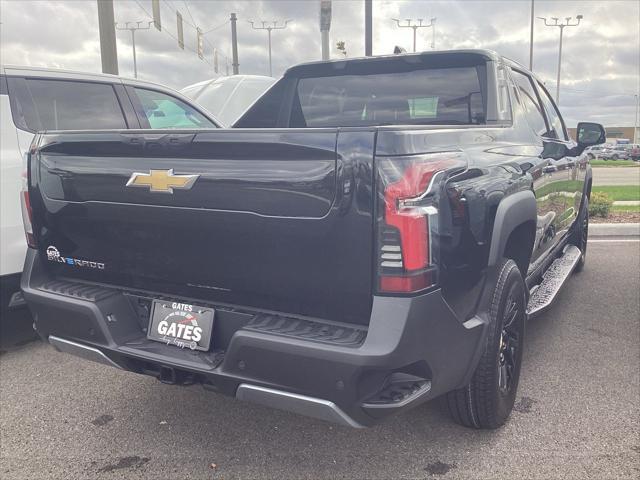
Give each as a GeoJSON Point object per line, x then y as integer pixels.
{"type": "Point", "coordinates": [576, 415]}
{"type": "Point", "coordinates": [616, 176]}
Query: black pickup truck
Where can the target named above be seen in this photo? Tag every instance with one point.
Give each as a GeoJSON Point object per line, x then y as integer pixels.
{"type": "Point", "coordinates": [373, 233]}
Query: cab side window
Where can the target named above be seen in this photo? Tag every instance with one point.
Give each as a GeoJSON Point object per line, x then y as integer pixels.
{"type": "Point", "coordinates": [44, 104]}
{"type": "Point", "coordinates": [528, 98]}
{"type": "Point", "coordinates": [159, 110]}
{"type": "Point", "coordinates": [556, 125]}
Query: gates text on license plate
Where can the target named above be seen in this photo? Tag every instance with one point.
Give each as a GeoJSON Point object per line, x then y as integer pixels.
{"type": "Point", "coordinates": [181, 324]}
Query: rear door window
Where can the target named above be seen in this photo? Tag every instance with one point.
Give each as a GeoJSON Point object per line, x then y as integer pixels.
{"type": "Point", "coordinates": [162, 111]}
{"type": "Point", "coordinates": [528, 98]}
{"type": "Point", "coordinates": [43, 104]}
{"type": "Point", "coordinates": [433, 96]}
{"type": "Point", "coordinates": [556, 125]}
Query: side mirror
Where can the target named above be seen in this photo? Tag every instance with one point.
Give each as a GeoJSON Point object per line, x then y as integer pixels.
{"type": "Point", "coordinates": [589, 134]}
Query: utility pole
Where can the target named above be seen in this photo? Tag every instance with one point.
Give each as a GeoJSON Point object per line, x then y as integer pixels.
{"type": "Point", "coordinates": [561, 26]}
{"type": "Point", "coordinates": [531, 39]}
{"type": "Point", "coordinates": [416, 27]}
{"type": "Point", "coordinates": [108, 50]}
{"type": "Point", "coordinates": [234, 45]}
{"type": "Point", "coordinates": [325, 25]}
{"type": "Point", "coordinates": [132, 28]}
{"type": "Point", "coordinates": [268, 27]}
{"type": "Point", "coordinates": [368, 28]}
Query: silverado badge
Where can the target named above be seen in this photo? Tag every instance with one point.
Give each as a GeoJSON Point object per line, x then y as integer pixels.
{"type": "Point", "coordinates": [162, 180]}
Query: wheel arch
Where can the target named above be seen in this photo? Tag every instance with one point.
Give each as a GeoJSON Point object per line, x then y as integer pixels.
{"type": "Point", "coordinates": [514, 230]}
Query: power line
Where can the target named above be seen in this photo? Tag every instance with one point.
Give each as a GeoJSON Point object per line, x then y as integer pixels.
{"type": "Point", "coordinates": [170, 34]}
{"type": "Point", "coordinates": [204, 59]}
{"type": "Point", "coordinates": [174, 9]}
{"type": "Point", "coordinates": [189, 11]}
{"type": "Point", "coordinates": [226, 22]}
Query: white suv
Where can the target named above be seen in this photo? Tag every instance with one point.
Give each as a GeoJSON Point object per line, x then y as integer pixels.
{"type": "Point", "coordinates": [37, 99]}
{"type": "Point", "coordinates": [229, 97]}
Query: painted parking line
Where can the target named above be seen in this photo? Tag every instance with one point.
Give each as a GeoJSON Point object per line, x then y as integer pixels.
{"type": "Point", "coordinates": [622, 240]}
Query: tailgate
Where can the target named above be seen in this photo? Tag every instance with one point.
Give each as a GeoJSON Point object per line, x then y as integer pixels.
{"type": "Point", "coordinates": [277, 220]}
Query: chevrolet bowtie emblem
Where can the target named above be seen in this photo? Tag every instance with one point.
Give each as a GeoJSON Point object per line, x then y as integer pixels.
{"type": "Point", "coordinates": [162, 181]}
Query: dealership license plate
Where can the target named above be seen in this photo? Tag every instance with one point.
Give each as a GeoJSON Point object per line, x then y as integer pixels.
{"type": "Point", "coordinates": [181, 324]}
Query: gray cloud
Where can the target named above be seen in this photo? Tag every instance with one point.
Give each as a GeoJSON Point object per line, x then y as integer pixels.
{"type": "Point", "coordinates": [601, 57]}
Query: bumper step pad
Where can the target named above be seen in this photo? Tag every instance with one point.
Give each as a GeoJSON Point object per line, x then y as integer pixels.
{"type": "Point", "coordinates": [544, 294]}
{"type": "Point", "coordinates": [400, 389]}
{"type": "Point", "coordinates": [307, 330]}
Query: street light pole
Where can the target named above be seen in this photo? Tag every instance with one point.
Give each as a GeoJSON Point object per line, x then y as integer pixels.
{"type": "Point", "coordinates": [132, 28]}
{"type": "Point", "coordinates": [269, 28]}
{"type": "Point", "coordinates": [561, 26]}
{"type": "Point", "coordinates": [416, 27]}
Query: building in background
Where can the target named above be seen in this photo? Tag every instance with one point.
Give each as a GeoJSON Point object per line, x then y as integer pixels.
{"type": "Point", "coordinates": [613, 134]}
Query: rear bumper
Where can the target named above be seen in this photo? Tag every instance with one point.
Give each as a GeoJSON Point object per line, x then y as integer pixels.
{"type": "Point", "coordinates": [414, 349]}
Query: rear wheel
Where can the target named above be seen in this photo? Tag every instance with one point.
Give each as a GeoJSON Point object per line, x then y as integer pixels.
{"type": "Point", "coordinates": [580, 234]}
{"type": "Point", "coordinates": [488, 400]}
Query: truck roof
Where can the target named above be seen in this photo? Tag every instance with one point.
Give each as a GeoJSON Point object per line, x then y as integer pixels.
{"type": "Point", "coordinates": [341, 64]}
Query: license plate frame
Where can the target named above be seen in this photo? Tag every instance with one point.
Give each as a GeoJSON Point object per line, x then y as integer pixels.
{"type": "Point", "coordinates": [198, 321]}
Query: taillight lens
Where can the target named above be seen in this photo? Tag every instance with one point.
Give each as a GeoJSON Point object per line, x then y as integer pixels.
{"type": "Point", "coordinates": [27, 212]}
{"type": "Point", "coordinates": [409, 192]}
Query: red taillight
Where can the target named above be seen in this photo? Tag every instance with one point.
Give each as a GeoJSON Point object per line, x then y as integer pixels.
{"type": "Point", "coordinates": [410, 187]}
{"type": "Point", "coordinates": [27, 218]}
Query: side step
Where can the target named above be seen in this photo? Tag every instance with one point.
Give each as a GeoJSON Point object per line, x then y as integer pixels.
{"type": "Point", "coordinates": [553, 279]}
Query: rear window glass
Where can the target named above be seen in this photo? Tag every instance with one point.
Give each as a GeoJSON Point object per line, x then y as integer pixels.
{"type": "Point", "coordinates": [69, 105]}
{"type": "Point", "coordinates": [430, 96]}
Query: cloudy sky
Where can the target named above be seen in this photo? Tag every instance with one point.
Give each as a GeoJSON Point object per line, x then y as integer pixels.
{"type": "Point", "coordinates": [600, 68]}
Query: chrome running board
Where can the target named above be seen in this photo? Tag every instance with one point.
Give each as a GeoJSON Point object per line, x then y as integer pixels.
{"type": "Point", "coordinates": [543, 295]}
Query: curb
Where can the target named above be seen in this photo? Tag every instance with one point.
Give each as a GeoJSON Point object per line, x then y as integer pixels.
{"type": "Point", "coordinates": [614, 229]}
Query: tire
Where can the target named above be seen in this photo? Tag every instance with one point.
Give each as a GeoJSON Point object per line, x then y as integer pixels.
{"type": "Point", "coordinates": [614, 157]}
{"type": "Point", "coordinates": [580, 234]}
{"type": "Point", "coordinates": [487, 401]}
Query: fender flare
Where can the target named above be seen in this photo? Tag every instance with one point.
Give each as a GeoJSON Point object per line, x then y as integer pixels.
{"type": "Point", "coordinates": [513, 210]}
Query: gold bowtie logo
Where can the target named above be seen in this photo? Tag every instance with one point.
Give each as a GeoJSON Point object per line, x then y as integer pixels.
{"type": "Point", "coordinates": [162, 181]}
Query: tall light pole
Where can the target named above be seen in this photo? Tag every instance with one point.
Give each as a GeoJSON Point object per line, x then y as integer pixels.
{"type": "Point", "coordinates": [269, 26]}
{"type": "Point", "coordinates": [416, 27]}
{"type": "Point", "coordinates": [561, 26]}
{"type": "Point", "coordinates": [132, 28]}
